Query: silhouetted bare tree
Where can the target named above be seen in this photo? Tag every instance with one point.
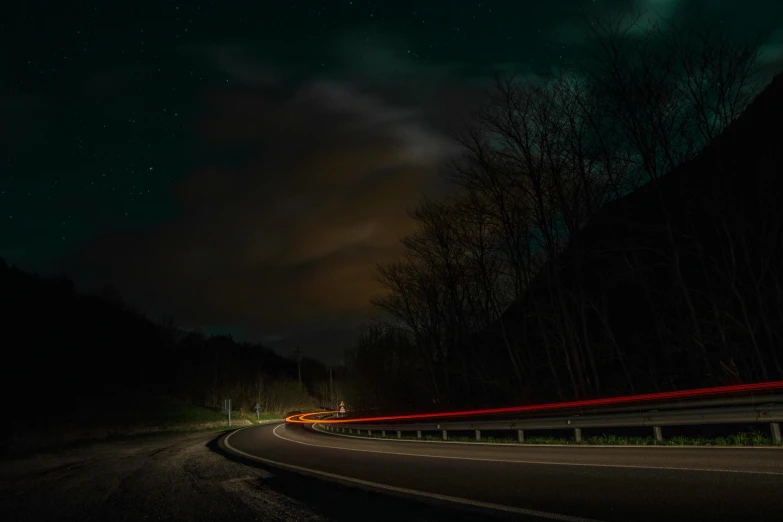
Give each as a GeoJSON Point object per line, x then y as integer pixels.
{"type": "Point", "coordinates": [508, 257]}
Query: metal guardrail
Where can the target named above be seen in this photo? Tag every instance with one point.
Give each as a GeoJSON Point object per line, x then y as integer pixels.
{"type": "Point", "coordinates": [719, 402]}
{"type": "Point", "coordinates": [722, 411]}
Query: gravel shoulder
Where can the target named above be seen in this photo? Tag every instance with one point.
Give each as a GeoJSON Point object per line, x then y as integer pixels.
{"type": "Point", "coordinates": [171, 477]}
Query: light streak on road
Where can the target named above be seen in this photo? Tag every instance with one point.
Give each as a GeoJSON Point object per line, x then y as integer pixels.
{"type": "Point", "coordinates": [295, 418]}
{"type": "Point", "coordinates": [586, 403]}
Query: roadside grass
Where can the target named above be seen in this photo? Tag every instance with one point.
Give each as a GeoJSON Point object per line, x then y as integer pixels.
{"type": "Point", "coordinates": [170, 412]}
{"type": "Point", "coordinates": [751, 438]}
{"type": "Point", "coordinates": [157, 417]}
{"type": "Point", "coordinates": [239, 421]}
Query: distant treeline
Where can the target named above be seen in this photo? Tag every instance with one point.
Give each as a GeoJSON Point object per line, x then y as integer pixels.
{"type": "Point", "coordinates": [616, 228]}
{"type": "Point", "coordinates": [66, 352]}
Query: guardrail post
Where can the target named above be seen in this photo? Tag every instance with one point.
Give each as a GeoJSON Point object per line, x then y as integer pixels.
{"type": "Point", "coordinates": [578, 434]}
{"type": "Point", "coordinates": [383, 433]}
{"type": "Point", "coordinates": [478, 435]}
{"type": "Point", "coordinates": [399, 434]}
{"type": "Point", "coordinates": [658, 434]}
{"type": "Point", "coordinates": [521, 435]}
{"type": "Point", "coordinates": [445, 435]}
{"type": "Point", "coordinates": [775, 428]}
{"type": "Point", "coordinates": [418, 434]}
{"type": "Point", "coordinates": [350, 430]}
{"type": "Point", "coordinates": [369, 433]}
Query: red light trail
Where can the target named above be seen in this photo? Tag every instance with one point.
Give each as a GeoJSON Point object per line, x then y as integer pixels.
{"type": "Point", "coordinates": [608, 401]}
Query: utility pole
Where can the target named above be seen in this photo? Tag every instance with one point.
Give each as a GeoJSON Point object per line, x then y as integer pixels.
{"type": "Point", "coordinates": [299, 362]}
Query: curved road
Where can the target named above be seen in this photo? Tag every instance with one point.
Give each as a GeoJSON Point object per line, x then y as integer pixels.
{"type": "Point", "coordinates": [568, 483]}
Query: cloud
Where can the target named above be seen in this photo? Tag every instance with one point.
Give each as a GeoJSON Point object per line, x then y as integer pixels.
{"type": "Point", "coordinates": [289, 237]}
{"type": "Point", "coordinates": [235, 60]}
{"type": "Point", "coordinates": [771, 52]}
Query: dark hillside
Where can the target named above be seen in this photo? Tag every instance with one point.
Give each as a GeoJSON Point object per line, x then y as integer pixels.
{"type": "Point", "coordinates": [680, 283]}
{"type": "Point", "coordinates": [69, 356]}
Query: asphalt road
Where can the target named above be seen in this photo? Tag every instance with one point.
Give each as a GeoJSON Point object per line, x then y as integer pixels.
{"type": "Point", "coordinates": [569, 483]}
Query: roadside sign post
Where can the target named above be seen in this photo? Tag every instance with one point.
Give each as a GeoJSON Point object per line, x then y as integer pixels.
{"type": "Point", "coordinates": [342, 408]}
{"type": "Point", "coordinates": [227, 409]}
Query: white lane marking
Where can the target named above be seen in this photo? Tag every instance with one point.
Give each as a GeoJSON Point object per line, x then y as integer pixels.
{"type": "Point", "coordinates": [376, 485]}
{"type": "Point", "coordinates": [529, 445]}
{"type": "Point", "coordinates": [541, 462]}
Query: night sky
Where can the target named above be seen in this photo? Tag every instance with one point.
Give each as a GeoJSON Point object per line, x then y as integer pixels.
{"type": "Point", "coordinates": [243, 166]}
